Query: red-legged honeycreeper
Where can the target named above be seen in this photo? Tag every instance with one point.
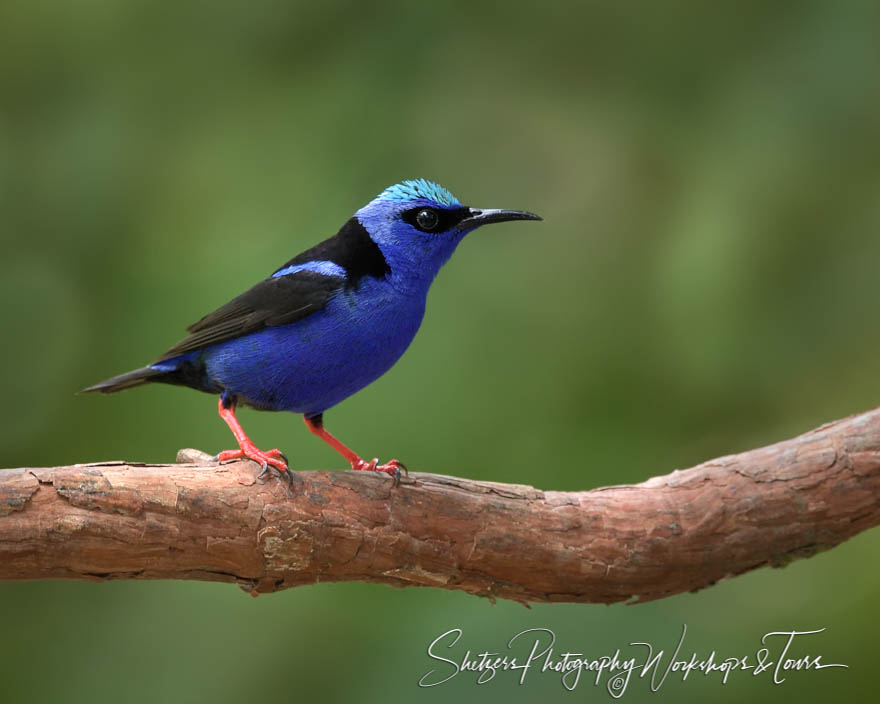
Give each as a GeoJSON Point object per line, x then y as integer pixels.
{"type": "Point", "coordinates": [326, 323]}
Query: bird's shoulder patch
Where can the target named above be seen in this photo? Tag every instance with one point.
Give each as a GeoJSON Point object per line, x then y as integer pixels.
{"type": "Point", "coordinates": [327, 268]}
{"type": "Point", "coordinates": [350, 250]}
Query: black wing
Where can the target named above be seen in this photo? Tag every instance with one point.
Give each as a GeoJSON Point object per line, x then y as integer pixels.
{"type": "Point", "coordinates": [276, 301]}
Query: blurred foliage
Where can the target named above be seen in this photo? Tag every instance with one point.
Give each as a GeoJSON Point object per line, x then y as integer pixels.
{"type": "Point", "coordinates": [705, 282]}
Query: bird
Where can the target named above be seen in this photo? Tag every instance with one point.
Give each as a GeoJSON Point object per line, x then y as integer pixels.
{"type": "Point", "coordinates": [326, 323]}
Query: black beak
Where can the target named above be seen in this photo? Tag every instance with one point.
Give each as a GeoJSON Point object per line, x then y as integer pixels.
{"type": "Point", "coordinates": [484, 216]}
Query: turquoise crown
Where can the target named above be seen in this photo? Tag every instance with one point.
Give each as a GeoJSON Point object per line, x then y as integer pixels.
{"type": "Point", "coordinates": [418, 189]}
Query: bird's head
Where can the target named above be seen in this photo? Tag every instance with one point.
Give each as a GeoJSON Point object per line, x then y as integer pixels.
{"type": "Point", "coordinates": [418, 224]}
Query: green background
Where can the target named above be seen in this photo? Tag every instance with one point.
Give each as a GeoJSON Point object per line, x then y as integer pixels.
{"type": "Point", "coordinates": [705, 281]}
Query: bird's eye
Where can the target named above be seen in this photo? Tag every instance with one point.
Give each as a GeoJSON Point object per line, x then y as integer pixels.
{"type": "Point", "coordinates": [427, 219]}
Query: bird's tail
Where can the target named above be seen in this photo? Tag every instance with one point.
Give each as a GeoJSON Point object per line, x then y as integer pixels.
{"type": "Point", "coordinates": [127, 380]}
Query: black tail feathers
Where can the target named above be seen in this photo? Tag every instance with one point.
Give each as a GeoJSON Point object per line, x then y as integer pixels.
{"type": "Point", "coordinates": [126, 381]}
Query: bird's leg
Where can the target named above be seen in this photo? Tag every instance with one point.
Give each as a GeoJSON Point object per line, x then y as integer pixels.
{"type": "Point", "coordinates": [316, 425]}
{"type": "Point", "coordinates": [247, 449]}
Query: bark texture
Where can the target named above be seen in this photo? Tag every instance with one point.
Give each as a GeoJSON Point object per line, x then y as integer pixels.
{"type": "Point", "coordinates": [671, 534]}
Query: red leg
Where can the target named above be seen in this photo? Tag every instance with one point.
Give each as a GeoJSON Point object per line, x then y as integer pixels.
{"type": "Point", "coordinates": [316, 425]}
{"type": "Point", "coordinates": [247, 449]}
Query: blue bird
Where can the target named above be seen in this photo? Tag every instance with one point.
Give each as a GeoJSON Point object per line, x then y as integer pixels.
{"type": "Point", "coordinates": [325, 324]}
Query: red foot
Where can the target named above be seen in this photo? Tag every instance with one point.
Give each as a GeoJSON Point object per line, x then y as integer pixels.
{"type": "Point", "coordinates": [393, 467]}
{"type": "Point", "coordinates": [273, 458]}
{"type": "Point", "coordinates": [266, 459]}
{"type": "Point", "coordinates": [246, 449]}
{"type": "Point", "coordinates": [316, 425]}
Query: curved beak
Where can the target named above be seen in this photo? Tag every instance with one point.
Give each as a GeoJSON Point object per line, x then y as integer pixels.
{"type": "Point", "coordinates": [484, 216]}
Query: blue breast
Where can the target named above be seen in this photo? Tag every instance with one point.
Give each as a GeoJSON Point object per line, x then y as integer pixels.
{"type": "Point", "coordinates": [313, 364]}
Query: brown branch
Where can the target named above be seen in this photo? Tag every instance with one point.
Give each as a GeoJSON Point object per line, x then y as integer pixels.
{"type": "Point", "coordinates": [671, 534]}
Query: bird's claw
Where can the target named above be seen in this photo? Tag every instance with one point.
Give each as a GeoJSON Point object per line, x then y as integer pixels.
{"type": "Point", "coordinates": [392, 468]}
{"type": "Point", "coordinates": [266, 459]}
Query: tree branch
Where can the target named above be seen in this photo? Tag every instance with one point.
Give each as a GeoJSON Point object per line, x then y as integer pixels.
{"type": "Point", "coordinates": [670, 534]}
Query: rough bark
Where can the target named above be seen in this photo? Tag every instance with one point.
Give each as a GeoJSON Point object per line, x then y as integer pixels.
{"type": "Point", "coordinates": [670, 534]}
